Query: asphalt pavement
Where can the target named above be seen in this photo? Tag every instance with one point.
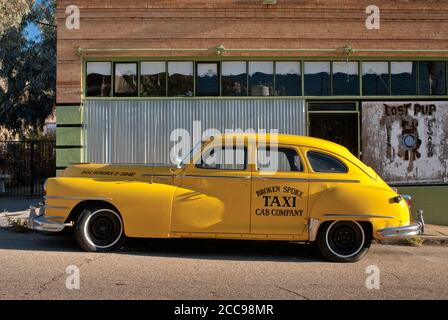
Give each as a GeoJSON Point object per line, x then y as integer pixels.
{"type": "Point", "coordinates": [34, 266]}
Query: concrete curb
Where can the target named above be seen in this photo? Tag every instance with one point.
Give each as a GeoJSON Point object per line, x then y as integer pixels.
{"type": "Point", "coordinates": [417, 241]}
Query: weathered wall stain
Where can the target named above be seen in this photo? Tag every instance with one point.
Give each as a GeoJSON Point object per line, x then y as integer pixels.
{"type": "Point", "coordinates": [406, 142]}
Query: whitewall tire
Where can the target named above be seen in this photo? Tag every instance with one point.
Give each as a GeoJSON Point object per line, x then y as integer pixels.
{"type": "Point", "coordinates": [343, 241]}
{"type": "Point", "coordinates": [99, 230]}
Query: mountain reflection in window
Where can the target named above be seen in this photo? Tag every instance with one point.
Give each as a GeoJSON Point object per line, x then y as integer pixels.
{"type": "Point", "coordinates": [375, 78]}
{"type": "Point", "coordinates": [153, 79]}
{"type": "Point", "coordinates": [432, 78]}
{"type": "Point", "coordinates": [317, 78]}
{"type": "Point", "coordinates": [180, 79]}
{"type": "Point", "coordinates": [287, 78]}
{"type": "Point", "coordinates": [261, 78]}
{"type": "Point", "coordinates": [207, 80]}
{"type": "Point", "coordinates": [404, 78]}
{"type": "Point", "coordinates": [345, 78]}
{"type": "Point", "coordinates": [234, 78]}
{"type": "Point", "coordinates": [125, 79]}
{"type": "Point", "coordinates": [99, 77]}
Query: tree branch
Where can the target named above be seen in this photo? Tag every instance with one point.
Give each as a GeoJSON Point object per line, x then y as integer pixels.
{"type": "Point", "coordinates": [46, 24]}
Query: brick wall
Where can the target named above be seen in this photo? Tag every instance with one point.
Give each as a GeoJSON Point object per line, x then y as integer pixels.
{"type": "Point", "coordinates": [413, 24]}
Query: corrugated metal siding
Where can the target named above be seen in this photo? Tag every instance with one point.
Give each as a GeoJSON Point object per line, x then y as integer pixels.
{"type": "Point", "coordinates": [138, 131]}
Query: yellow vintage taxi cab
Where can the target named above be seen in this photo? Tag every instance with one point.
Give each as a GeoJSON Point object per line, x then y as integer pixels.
{"type": "Point", "coordinates": [238, 186]}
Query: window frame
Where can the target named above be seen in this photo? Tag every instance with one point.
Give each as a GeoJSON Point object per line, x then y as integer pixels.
{"type": "Point", "coordinates": [140, 91]}
{"type": "Point", "coordinates": [137, 70]}
{"type": "Point", "coordinates": [389, 79]}
{"type": "Point", "coordinates": [417, 94]}
{"type": "Point", "coordinates": [218, 75]}
{"type": "Point", "coordinates": [347, 169]}
{"type": "Point", "coordinates": [246, 68]}
{"type": "Point", "coordinates": [207, 149]}
{"type": "Point", "coordinates": [415, 63]}
{"type": "Point", "coordinates": [445, 78]}
{"type": "Point", "coordinates": [168, 79]}
{"type": "Point", "coordinates": [330, 76]}
{"type": "Point", "coordinates": [86, 75]}
{"type": "Point", "coordinates": [249, 87]}
{"type": "Point", "coordinates": [300, 75]}
{"type": "Point", "coordinates": [294, 148]}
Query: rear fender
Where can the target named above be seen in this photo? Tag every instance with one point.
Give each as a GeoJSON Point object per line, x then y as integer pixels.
{"type": "Point", "coordinates": [373, 205]}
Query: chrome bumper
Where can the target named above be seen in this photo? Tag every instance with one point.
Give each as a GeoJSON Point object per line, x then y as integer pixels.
{"type": "Point", "coordinates": [401, 232]}
{"type": "Point", "coordinates": [37, 221]}
{"type": "Point", "coordinates": [413, 229]}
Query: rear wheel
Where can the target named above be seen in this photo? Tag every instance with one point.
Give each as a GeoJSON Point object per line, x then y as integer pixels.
{"type": "Point", "coordinates": [343, 241]}
{"type": "Point", "coordinates": [99, 230]}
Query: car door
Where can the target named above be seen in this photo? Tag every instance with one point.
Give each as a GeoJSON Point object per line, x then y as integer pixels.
{"type": "Point", "coordinates": [214, 193]}
{"type": "Point", "coordinates": [327, 173]}
{"type": "Point", "coordinates": [279, 195]}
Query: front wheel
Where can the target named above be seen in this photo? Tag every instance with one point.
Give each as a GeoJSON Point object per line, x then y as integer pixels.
{"type": "Point", "coordinates": [99, 230]}
{"type": "Point", "coordinates": [343, 241]}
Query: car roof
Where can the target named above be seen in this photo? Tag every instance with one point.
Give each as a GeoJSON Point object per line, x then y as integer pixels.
{"type": "Point", "coordinates": [289, 139]}
{"type": "Point", "coordinates": [303, 141]}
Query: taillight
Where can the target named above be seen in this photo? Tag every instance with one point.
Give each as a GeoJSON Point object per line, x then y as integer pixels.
{"type": "Point", "coordinates": [408, 200]}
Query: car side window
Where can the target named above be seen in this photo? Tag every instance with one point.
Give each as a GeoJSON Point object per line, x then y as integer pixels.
{"type": "Point", "coordinates": [321, 162]}
{"type": "Point", "coordinates": [224, 158]}
{"type": "Point", "coordinates": [278, 159]}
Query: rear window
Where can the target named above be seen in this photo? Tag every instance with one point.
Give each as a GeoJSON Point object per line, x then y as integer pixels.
{"type": "Point", "coordinates": [321, 162]}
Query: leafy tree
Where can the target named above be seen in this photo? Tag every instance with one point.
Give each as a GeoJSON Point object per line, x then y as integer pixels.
{"type": "Point", "coordinates": [28, 68]}
{"type": "Point", "coordinates": [12, 12]}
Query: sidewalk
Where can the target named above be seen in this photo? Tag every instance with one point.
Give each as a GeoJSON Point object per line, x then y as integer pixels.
{"type": "Point", "coordinates": [17, 204]}
{"type": "Point", "coordinates": [433, 231]}
{"type": "Point", "coordinates": [14, 205]}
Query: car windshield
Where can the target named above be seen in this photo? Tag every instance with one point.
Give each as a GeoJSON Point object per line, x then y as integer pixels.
{"type": "Point", "coordinates": [189, 156]}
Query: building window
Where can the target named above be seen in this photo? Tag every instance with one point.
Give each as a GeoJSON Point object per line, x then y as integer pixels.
{"type": "Point", "coordinates": [345, 79]}
{"type": "Point", "coordinates": [153, 79]}
{"type": "Point", "coordinates": [403, 78]}
{"type": "Point", "coordinates": [207, 79]}
{"type": "Point", "coordinates": [126, 79]}
{"type": "Point", "coordinates": [234, 78]}
{"type": "Point", "coordinates": [261, 78]}
{"type": "Point", "coordinates": [375, 78]}
{"type": "Point", "coordinates": [317, 78]}
{"type": "Point", "coordinates": [180, 79]}
{"type": "Point", "coordinates": [288, 78]}
{"type": "Point", "coordinates": [432, 78]}
{"type": "Point", "coordinates": [99, 77]}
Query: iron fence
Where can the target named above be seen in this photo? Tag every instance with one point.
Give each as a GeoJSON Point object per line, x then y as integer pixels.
{"type": "Point", "coordinates": [24, 167]}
